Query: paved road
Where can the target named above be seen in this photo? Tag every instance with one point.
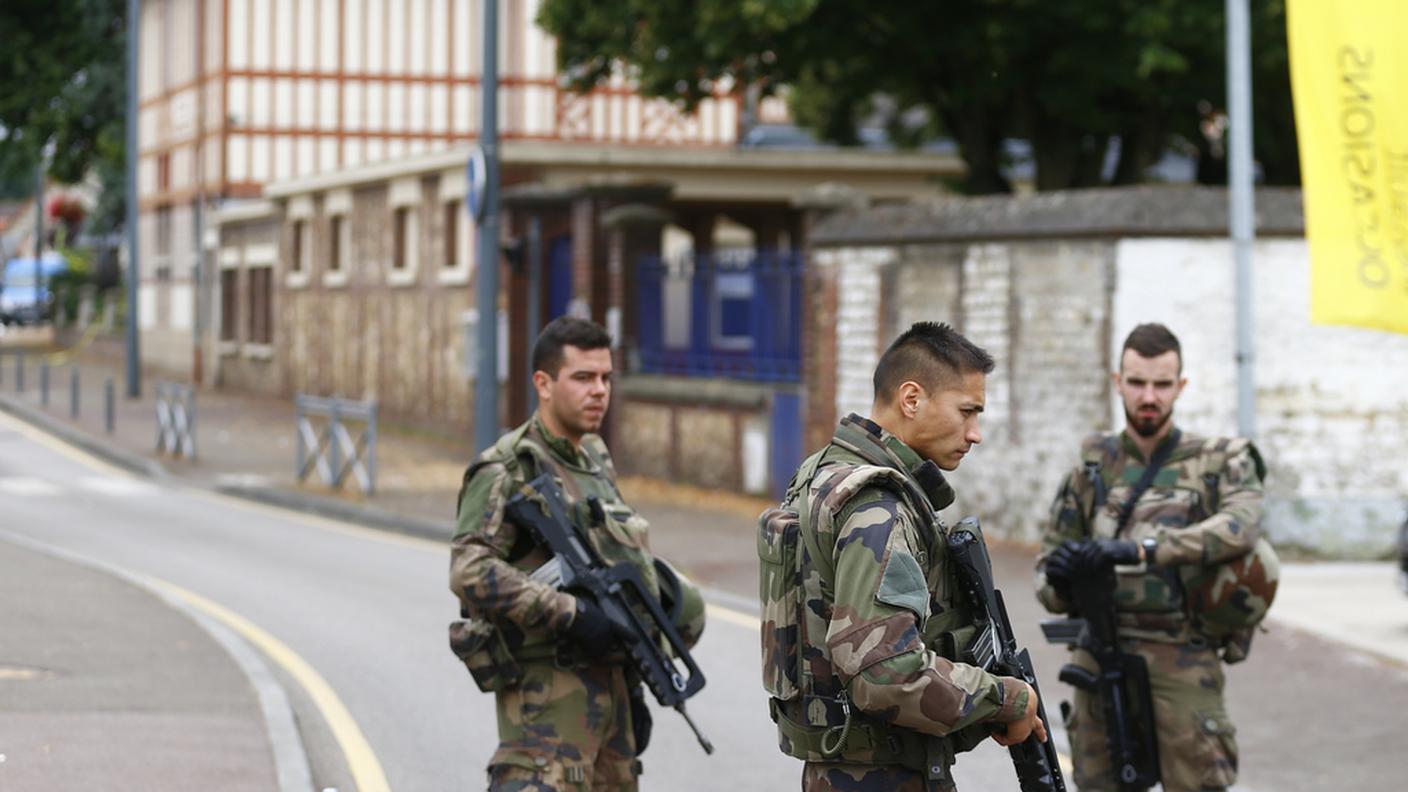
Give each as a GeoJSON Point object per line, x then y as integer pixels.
{"type": "Point", "coordinates": [364, 612]}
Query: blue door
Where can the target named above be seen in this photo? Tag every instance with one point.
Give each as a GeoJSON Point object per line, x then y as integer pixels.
{"type": "Point", "coordinates": [559, 276]}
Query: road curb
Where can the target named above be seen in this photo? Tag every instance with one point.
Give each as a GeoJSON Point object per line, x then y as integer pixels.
{"type": "Point", "coordinates": [76, 437]}
{"type": "Point", "coordinates": [368, 516]}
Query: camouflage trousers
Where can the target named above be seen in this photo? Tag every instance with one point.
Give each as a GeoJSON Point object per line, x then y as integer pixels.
{"type": "Point", "coordinates": [841, 777]}
{"type": "Point", "coordinates": [565, 729]}
{"type": "Point", "coordinates": [1197, 741]}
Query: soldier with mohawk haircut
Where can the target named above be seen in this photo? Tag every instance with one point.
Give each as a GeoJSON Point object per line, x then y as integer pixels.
{"type": "Point", "coordinates": [863, 621]}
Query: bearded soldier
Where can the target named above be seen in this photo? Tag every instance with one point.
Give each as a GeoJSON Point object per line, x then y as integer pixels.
{"type": "Point", "coordinates": [1178, 518]}
{"type": "Point", "coordinates": [863, 619]}
{"type": "Point", "coordinates": [570, 710]}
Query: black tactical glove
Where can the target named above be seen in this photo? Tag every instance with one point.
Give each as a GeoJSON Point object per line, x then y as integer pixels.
{"type": "Point", "coordinates": [641, 719]}
{"type": "Point", "coordinates": [593, 632]}
{"type": "Point", "coordinates": [1061, 566]}
{"type": "Point", "coordinates": [1099, 555]}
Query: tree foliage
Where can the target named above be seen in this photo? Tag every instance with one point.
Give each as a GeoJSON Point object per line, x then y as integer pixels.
{"type": "Point", "coordinates": [1069, 76]}
{"type": "Point", "coordinates": [62, 87]}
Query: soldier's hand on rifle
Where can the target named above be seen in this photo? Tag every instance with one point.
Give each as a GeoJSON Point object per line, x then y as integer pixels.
{"type": "Point", "coordinates": [1061, 566]}
{"type": "Point", "coordinates": [1017, 732]}
{"type": "Point", "coordinates": [1100, 554]}
{"type": "Point", "coordinates": [593, 631]}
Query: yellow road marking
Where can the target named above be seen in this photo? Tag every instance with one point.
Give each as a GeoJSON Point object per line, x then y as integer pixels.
{"type": "Point", "coordinates": [73, 453]}
{"type": "Point", "coordinates": [361, 760]}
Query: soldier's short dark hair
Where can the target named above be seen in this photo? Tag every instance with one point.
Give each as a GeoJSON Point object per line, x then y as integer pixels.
{"type": "Point", "coordinates": [1150, 340]}
{"type": "Point", "coordinates": [565, 331]}
{"type": "Point", "coordinates": [931, 354]}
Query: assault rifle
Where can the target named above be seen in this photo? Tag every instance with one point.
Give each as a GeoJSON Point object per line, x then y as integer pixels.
{"type": "Point", "coordinates": [617, 588]}
{"type": "Point", "coordinates": [1122, 683]}
{"type": "Point", "coordinates": [994, 649]}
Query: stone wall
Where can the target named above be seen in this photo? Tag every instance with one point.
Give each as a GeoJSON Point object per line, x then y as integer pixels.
{"type": "Point", "coordinates": [1051, 284]}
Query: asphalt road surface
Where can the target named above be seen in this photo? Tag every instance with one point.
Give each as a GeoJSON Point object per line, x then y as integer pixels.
{"type": "Point", "coordinates": [366, 611]}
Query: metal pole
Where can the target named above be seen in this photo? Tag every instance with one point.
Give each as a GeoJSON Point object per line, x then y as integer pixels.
{"type": "Point", "coordinates": [486, 383]}
{"type": "Point", "coordinates": [39, 239]}
{"type": "Point", "coordinates": [19, 373]}
{"type": "Point", "coordinates": [44, 382]}
{"type": "Point", "coordinates": [73, 393]}
{"type": "Point", "coordinates": [134, 370]}
{"type": "Point", "coordinates": [535, 285]}
{"type": "Point", "coordinates": [1239, 182]}
{"type": "Point", "coordinates": [108, 411]}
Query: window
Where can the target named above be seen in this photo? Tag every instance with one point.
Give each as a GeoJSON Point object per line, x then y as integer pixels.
{"type": "Point", "coordinates": [457, 254]}
{"type": "Point", "coordinates": [453, 211]}
{"type": "Point", "coordinates": [405, 198]}
{"type": "Point", "coordinates": [400, 256]}
{"type": "Point", "coordinates": [301, 244]}
{"type": "Point", "coordinates": [229, 303]}
{"type": "Point", "coordinates": [336, 244]}
{"type": "Point", "coordinates": [261, 307]}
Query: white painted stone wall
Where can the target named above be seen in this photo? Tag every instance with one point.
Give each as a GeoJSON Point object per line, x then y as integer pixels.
{"type": "Point", "coordinates": [858, 340]}
{"type": "Point", "coordinates": [1332, 402]}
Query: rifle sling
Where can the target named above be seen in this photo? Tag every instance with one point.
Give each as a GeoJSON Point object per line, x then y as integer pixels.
{"type": "Point", "coordinates": [1161, 455]}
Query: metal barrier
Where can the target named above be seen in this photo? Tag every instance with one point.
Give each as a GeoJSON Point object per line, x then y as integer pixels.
{"type": "Point", "coordinates": [333, 450]}
{"type": "Point", "coordinates": [176, 419]}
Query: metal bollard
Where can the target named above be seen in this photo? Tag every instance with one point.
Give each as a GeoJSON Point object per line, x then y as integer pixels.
{"type": "Point", "coordinates": [44, 383]}
{"type": "Point", "coordinates": [108, 405]}
{"type": "Point", "coordinates": [73, 393]}
{"type": "Point", "coordinates": [19, 372]}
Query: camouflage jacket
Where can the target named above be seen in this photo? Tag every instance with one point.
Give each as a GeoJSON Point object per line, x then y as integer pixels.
{"type": "Point", "coordinates": [881, 617]}
{"type": "Point", "coordinates": [491, 559]}
{"type": "Point", "coordinates": [1203, 508]}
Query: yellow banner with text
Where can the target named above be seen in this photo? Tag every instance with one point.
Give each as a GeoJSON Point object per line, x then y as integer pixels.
{"type": "Point", "coordinates": [1349, 80]}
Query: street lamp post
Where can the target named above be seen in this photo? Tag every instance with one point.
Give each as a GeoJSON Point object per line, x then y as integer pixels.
{"type": "Point", "coordinates": [1240, 202]}
{"type": "Point", "coordinates": [486, 287]}
{"type": "Point", "coordinates": [134, 371]}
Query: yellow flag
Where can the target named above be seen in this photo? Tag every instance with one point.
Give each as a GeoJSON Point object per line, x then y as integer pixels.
{"type": "Point", "coordinates": [1349, 78]}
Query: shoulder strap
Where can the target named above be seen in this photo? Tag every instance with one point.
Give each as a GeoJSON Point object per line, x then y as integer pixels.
{"type": "Point", "coordinates": [1150, 471]}
{"type": "Point", "coordinates": [506, 452]}
{"type": "Point", "coordinates": [1097, 452]}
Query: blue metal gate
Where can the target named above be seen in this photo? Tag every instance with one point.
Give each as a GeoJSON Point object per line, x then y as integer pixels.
{"type": "Point", "coordinates": [735, 314]}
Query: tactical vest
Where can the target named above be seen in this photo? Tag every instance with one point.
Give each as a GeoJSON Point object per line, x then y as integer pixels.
{"type": "Point", "coordinates": [796, 545]}
{"type": "Point", "coordinates": [622, 537]}
{"type": "Point", "coordinates": [1220, 604]}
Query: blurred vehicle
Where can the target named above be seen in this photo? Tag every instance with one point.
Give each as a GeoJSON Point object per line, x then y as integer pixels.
{"type": "Point", "coordinates": [23, 300]}
{"type": "Point", "coordinates": [1403, 555]}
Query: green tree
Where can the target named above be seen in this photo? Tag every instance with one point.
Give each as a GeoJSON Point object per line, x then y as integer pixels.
{"type": "Point", "coordinates": [1067, 76]}
{"type": "Point", "coordinates": [62, 87]}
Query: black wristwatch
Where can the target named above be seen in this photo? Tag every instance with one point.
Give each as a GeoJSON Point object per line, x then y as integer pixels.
{"type": "Point", "coordinates": [1151, 546]}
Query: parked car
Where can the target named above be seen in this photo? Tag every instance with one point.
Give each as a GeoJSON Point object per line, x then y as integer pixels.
{"type": "Point", "coordinates": [23, 298]}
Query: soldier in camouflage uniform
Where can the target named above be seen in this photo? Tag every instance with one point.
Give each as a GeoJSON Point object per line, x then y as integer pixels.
{"type": "Point", "coordinates": [1202, 510]}
{"type": "Point", "coordinates": [570, 710]}
{"type": "Point", "coordinates": [862, 618]}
